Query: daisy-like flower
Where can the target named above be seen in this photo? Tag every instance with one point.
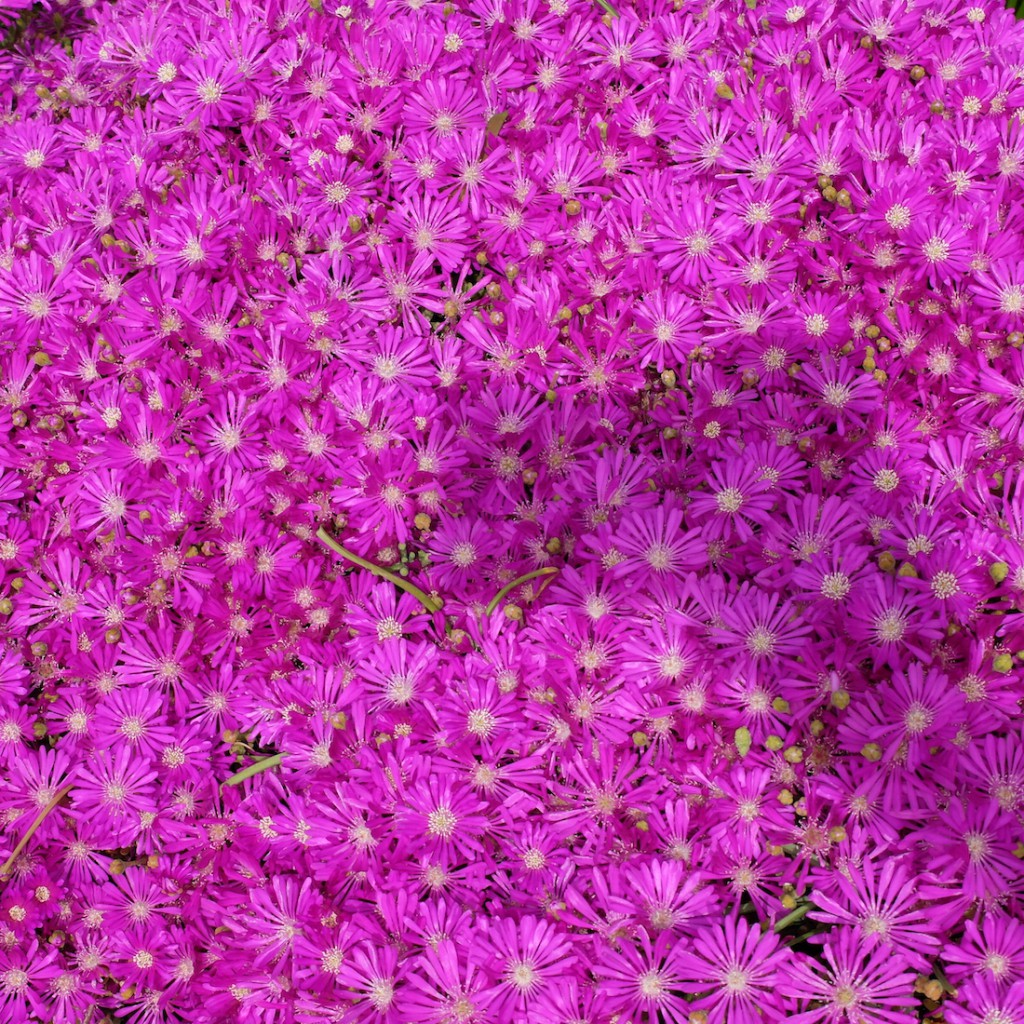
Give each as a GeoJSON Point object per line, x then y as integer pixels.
{"type": "Point", "coordinates": [990, 950]}
{"type": "Point", "coordinates": [442, 815]}
{"type": "Point", "coordinates": [120, 789]}
{"type": "Point", "coordinates": [886, 901]}
{"type": "Point", "coordinates": [733, 968]}
{"type": "Point", "coordinates": [981, 1001]}
{"type": "Point", "coordinates": [689, 237]}
{"type": "Point", "coordinates": [656, 541]}
{"type": "Point", "coordinates": [646, 976]}
{"type": "Point", "coordinates": [854, 982]}
{"type": "Point", "coordinates": [738, 498]}
{"type": "Point", "coordinates": [529, 957]}
{"type": "Point", "coordinates": [758, 628]}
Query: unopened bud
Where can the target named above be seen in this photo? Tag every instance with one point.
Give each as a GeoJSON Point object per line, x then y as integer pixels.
{"type": "Point", "coordinates": [573, 207]}
{"type": "Point", "coordinates": [871, 752]}
{"type": "Point", "coordinates": [774, 743]}
{"type": "Point", "coordinates": [917, 73]}
{"type": "Point", "coordinates": [872, 331]}
{"type": "Point", "coordinates": [513, 612]}
{"type": "Point", "coordinates": [421, 521]}
{"type": "Point", "coordinates": [1003, 663]}
{"type": "Point", "coordinates": [723, 91]}
{"type": "Point", "coordinates": [41, 359]}
{"type": "Point", "coordinates": [794, 754]}
{"type": "Point", "coordinates": [829, 194]}
{"type": "Point", "coordinates": [998, 571]}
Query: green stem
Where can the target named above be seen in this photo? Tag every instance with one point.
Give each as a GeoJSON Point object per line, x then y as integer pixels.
{"type": "Point", "coordinates": [608, 8]}
{"type": "Point", "coordinates": [549, 570]}
{"type": "Point", "coordinates": [385, 574]}
{"type": "Point", "coordinates": [793, 916]}
{"type": "Point", "coordinates": [254, 769]}
{"type": "Point", "coordinates": [40, 818]}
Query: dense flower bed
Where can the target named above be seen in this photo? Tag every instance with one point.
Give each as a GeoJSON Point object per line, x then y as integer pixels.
{"type": "Point", "coordinates": [511, 511]}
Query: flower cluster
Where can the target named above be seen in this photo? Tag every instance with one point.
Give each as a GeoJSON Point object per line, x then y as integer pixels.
{"type": "Point", "coordinates": [511, 512]}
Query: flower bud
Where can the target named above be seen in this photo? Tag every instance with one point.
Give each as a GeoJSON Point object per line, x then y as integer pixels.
{"type": "Point", "coordinates": [1003, 663]}
{"type": "Point", "coordinates": [6, 606]}
{"type": "Point", "coordinates": [774, 743]}
{"type": "Point", "coordinates": [573, 207]}
{"type": "Point", "coordinates": [871, 752]}
{"type": "Point", "coordinates": [513, 612]}
{"type": "Point", "coordinates": [998, 571]}
{"type": "Point", "coordinates": [421, 521]}
{"type": "Point", "coordinates": [917, 73]}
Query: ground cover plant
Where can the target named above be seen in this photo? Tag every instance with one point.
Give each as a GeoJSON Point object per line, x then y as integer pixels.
{"type": "Point", "coordinates": [511, 511]}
